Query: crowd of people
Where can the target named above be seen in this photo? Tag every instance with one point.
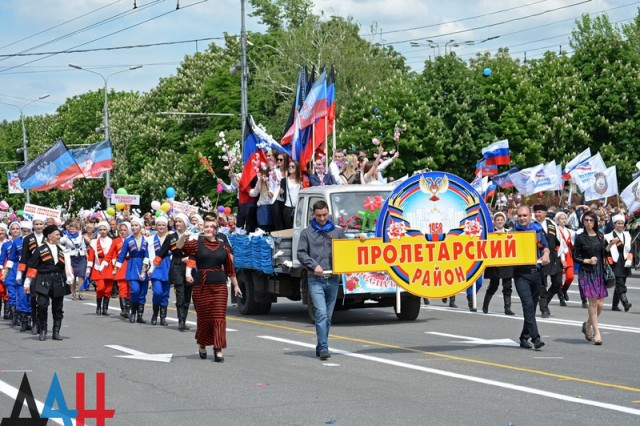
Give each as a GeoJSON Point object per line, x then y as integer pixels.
{"type": "Point", "coordinates": [44, 259]}
{"type": "Point", "coordinates": [269, 200]}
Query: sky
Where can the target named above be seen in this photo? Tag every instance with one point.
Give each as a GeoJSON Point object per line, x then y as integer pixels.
{"type": "Point", "coordinates": [526, 27]}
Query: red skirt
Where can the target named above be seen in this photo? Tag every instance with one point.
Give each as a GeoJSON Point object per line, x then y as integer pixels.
{"type": "Point", "coordinates": [210, 301]}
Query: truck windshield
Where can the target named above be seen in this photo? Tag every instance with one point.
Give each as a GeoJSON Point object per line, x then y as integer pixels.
{"type": "Point", "coordinates": [357, 211]}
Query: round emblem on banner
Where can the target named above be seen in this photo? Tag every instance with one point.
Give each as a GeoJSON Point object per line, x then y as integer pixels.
{"type": "Point", "coordinates": [435, 207]}
{"type": "Point", "coordinates": [600, 184]}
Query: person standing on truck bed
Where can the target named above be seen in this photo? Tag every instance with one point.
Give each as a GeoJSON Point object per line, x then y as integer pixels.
{"type": "Point", "coordinates": [315, 253]}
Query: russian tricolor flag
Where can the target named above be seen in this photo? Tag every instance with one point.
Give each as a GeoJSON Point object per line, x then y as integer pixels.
{"type": "Point", "coordinates": [497, 153]}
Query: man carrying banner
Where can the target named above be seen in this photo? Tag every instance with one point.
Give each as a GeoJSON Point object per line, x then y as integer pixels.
{"type": "Point", "coordinates": [528, 280]}
{"type": "Point", "coordinates": [554, 269]}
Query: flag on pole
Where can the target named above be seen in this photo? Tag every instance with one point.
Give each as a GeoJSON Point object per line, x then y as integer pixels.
{"type": "Point", "coordinates": [94, 159]}
{"type": "Point", "coordinates": [252, 157]}
{"type": "Point", "coordinates": [583, 156]}
{"type": "Point", "coordinates": [50, 169]}
{"type": "Point", "coordinates": [604, 184]}
{"type": "Point", "coordinates": [487, 170]}
{"type": "Point", "coordinates": [631, 195]}
{"type": "Point", "coordinates": [503, 180]}
{"type": "Point", "coordinates": [315, 104]}
{"type": "Point", "coordinates": [497, 153]}
{"type": "Point", "coordinates": [584, 172]}
{"type": "Point", "coordinates": [14, 183]}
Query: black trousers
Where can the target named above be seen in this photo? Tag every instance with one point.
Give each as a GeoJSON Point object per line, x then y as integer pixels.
{"type": "Point", "coordinates": [247, 216]}
{"type": "Point", "coordinates": [528, 286]}
{"type": "Point", "coordinates": [183, 296]}
{"type": "Point", "coordinates": [494, 283]}
{"type": "Point", "coordinates": [556, 285]}
{"type": "Point", "coordinates": [42, 302]}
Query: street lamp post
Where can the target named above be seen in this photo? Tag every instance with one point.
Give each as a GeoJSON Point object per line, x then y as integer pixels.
{"type": "Point", "coordinates": [24, 133]}
{"type": "Point", "coordinates": [106, 108]}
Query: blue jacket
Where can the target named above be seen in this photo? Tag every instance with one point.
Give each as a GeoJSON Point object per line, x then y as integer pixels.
{"type": "Point", "coordinates": [138, 256]}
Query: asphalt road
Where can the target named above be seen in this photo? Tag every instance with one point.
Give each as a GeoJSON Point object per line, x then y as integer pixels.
{"type": "Point", "coordinates": [450, 366]}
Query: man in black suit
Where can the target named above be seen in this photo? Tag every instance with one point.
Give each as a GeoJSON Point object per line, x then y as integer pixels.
{"type": "Point", "coordinates": [554, 269]}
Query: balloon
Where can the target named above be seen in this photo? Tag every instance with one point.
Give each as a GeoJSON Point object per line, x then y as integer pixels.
{"type": "Point", "coordinates": [220, 209]}
{"type": "Point", "coordinates": [486, 72]}
{"type": "Point", "coordinates": [121, 191]}
{"type": "Point", "coordinates": [4, 205]}
{"type": "Point", "coordinates": [111, 211]}
{"type": "Point", "coordinates": [227, 210]}
{"type": "Point", "coordinates": [219, 188]}
{"type": "Point", "coordinates": [155, 205]}
{"type": "Point", "coordinates": [165, 207]}
{"type": "Point", "coordinates": [171, 192]}
{"type": "Point", "coordinates": [13, 217]}
{"type": "Point", "coordinates": [158, 213]}
{"type": "Point", "coordinates": [120, 206]}
{"type": "Point", "coordinates": [20, 212]}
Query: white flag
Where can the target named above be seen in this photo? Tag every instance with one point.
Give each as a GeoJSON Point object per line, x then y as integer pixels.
{"type": "Point", "coordinates": [631, 195]}
{"type": "Point", "coordinates": [524, 180]}
{"type": "Point", "coordinates": [546, 178]}
{"type": "Point", "coordinates": [604, 184]}
{"type": "Point", "coordinates": [584, 155]}
{"type": "Point", "coordinates": [584, 172]}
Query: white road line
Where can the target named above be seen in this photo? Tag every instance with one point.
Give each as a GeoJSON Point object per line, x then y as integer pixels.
{"type": "Point", "coordinates": [12, 393]}
{"type": "Point", "coordinates": [555, 321]}
{"type": "Point", "coordinates": [489, 382]}
{"type": "Point", "coordinates": [193, 323]}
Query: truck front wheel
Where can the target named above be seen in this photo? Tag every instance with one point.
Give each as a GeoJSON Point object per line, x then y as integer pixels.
{"type": "Point", "coordinates": [247, 305]}
{"type": "Point", "coordinates": [409, 308]}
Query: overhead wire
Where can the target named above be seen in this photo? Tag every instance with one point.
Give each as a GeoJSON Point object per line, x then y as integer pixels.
{"type": "Point", "coordinates": [59, 25]}
{"type": "Point", "coordinates": [92, 26]}
{"type": "Point", "coordinates": [107, 35]}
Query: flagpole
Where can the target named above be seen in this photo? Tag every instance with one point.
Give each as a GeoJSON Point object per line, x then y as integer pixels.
{"type": "Point", "coordinates": [313, 147]}
{"type": "Point", "coordinates": [326, 142]}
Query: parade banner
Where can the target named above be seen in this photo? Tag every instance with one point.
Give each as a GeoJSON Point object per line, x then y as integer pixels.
{"type": "Point", "coordinates": [35, 210]}
{"type": "Point", "coordinates": [434, 238]}
{"type": "Point", "coordinates": [130, 199]}
{"type": "Point", "coordinates": [14, 183]}
{"type": "Point", "coordinates": [183, 207]}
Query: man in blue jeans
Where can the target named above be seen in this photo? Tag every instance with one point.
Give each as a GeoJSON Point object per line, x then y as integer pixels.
{"type": "Point", "coordinates": [315, 253]}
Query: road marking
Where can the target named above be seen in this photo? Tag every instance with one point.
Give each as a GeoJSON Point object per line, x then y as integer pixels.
{"type": "Point", "coordinates": [193, 323]}
{"type": "Point", "coordinates": [475, 379]}
{"type": "Point", "coordinates": [12, 393]}
{"type": "Point", "coordinates": [554, 321]}
{"type": "Point", "coordinates": [441, 355]}
{"type": "Point", "coordinates": [133, 354]}
{"type": "Point", "coordinates": [476, 341]}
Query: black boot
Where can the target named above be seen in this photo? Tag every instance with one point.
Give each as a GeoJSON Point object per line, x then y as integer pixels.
{"type": "Point", "coordinates": [15, 318]}
{"type": "Point", "coordinates": [565, 293]}
{"type": "Point", "coordinates": [625, 302]}
{"type": "Point", "coordinates": [185, 311]}
{"type": "Point", "coordinates": [105, 306]}
{"type": "Point", "coordinates": [57, 323]}
{"type": "Point", "coordinates": [470, 303]}
{"type": "Point", "coordinates": [23, 321]}
{"type": "Point", "coordinates": [426, 301]}
{"type": "Point", "coordinates": [124, 307]}
{"type": "Point", "coordinates": [140, 313]}
{"type": "Point", "coordinates": [615, 302]}
{"type": "Point", "coordinates": [452, 302]}
{"type": "Point", "coordinates": [6, 314]}
{"type": "Point", "coordinates": [561, 298]}
{"type": "Point", "coordinates": [43, 332]}
{"type": "Point", "coordinates": [507, 305]}
{"type": "Point", "coordinates": [163, 316]}
{"type": "Point", "coordinates": [154, 316]}
{"type": "Point", "coordinates": [132, 314]}
{"type": "Point", "coordinates": [485, 303]}
{"type": "Point", "coordinates": [29, 327]}
{"type": "Point", "coordinates": [99, 306]}
{"type": "Point", "coordinates": [544, 307]}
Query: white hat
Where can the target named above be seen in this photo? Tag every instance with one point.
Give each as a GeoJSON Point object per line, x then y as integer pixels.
{"type": "Point", "coordinates": [26, 224]}
{"type": "Point", "coordinates": [4, 226]}
{"type": "Point", "coordinates": [183, 217]}
{"type": "Point", "coordinates": [105, 224]}
{"type": "Point", "coordinates": [39, 217]}
{"type": "Point", "coordinates": [138, 220]}
{"type": "Point", "coordinates": [162, 219]}
{"type": "Point", "coordinates": [618, 218]}
{"type": "Point", "coordinates": [128, 225]}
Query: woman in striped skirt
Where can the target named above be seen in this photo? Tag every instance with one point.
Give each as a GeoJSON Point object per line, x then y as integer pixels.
{"type": "Point", "coordinates": [214, 262]}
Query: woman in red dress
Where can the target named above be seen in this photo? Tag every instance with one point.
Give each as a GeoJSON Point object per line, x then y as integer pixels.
{"type": "Point", "coordinates": [214, 262]}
